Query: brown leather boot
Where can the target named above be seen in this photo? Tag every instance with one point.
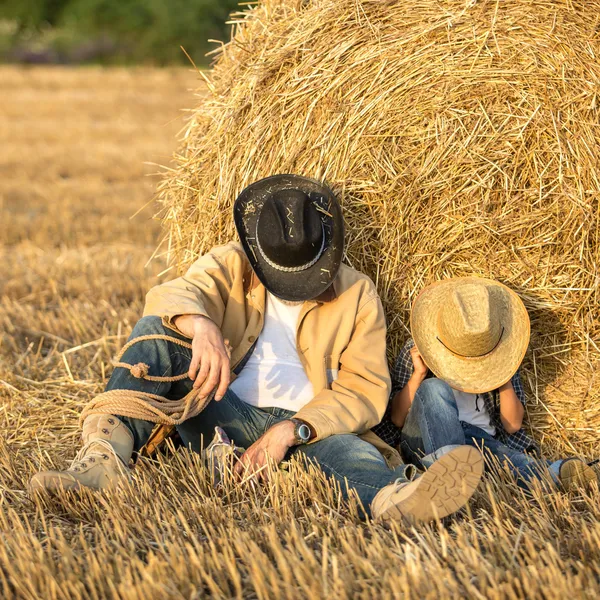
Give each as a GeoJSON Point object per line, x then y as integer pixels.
{"type": "Point", "coordinates": [443, 489]}
{"type": "Point", "coordinates": [100, 464]}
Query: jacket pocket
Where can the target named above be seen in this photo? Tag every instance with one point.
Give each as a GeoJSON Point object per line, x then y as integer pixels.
{"type": "Point", "coordinates": [332, 366]}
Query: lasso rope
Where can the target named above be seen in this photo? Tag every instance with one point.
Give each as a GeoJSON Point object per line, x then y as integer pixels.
{"type": "Point", "coordinates": [143, 405]}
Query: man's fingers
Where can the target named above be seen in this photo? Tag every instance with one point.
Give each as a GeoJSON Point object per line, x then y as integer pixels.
{"type": "Point", "coordinates": [264, 467]}
{"type": "Point", "coordinates": [243, 463]}
{"type": "Point", "coordinates": [250, 463]}
{"type": "Point", "coordinates": [194, 364]}
{"type": "Point", "coordinates": [203, 372]}
{"type": "Point", "coordinates": [238, 467]}
{"type": "Point", "coordinates": [212, 379]}
{"type": "Point", "coordinates": [198, 352]}
{"type": "Point", "coordinates": [224, 382]}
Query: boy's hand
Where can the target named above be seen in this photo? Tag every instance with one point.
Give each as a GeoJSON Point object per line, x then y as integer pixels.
{"type": "Point", "coordinates": [420, 368]}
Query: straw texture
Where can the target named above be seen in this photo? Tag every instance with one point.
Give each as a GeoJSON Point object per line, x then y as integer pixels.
{"type": "Point", "coordinates": [462, 137]}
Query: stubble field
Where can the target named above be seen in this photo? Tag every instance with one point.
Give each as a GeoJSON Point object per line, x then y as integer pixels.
{"type": "Point", "coordinates": [73, 274]}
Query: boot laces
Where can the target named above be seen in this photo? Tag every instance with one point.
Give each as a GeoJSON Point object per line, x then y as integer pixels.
{"type": "Point", "coordinates": [83, 456]}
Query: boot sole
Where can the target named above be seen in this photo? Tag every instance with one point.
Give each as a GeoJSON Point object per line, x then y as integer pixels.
{"type": "Point", "coordinates": [443, 489]}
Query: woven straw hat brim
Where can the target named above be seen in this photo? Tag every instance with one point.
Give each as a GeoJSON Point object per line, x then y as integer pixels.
{"type": "Point", "coordinates": [473, 375]}
{"type": "Point", "coordinates": [296, 285]}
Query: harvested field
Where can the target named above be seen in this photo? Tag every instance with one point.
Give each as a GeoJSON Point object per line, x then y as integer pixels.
{"type": "Point", "coordinates": [72, 280]}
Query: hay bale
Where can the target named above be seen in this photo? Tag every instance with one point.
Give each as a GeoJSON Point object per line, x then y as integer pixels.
{"type": "Point", "coordinates": [462, 136]}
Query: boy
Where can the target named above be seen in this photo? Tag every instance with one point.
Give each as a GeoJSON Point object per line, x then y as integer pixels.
{"type": "Point", "coordinates": [458, 382]}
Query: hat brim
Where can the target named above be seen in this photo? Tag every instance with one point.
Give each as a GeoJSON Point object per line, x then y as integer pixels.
{"type": "Point", "coordinates": [471, 374]}
{"type": "Point", "coordinates": [299, 285]}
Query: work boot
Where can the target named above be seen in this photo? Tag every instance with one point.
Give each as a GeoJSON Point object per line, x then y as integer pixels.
{"type": "Point", "coordinates": [440, 491]}
{"type": "Point", "coordinates": [220, 455]}
{"type": "Point", "coordinates": [574, 475]}
{"type": "Point", "coordinates": [100, 464]}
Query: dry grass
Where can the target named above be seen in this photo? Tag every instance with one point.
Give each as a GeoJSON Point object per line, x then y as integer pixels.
{"type": "Point", "coordinates": [72, 280]}
{"type": "Point", "coordinates": [463, 136]}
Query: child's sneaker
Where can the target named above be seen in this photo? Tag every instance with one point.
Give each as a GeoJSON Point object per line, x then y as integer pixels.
{"type": "Point", "coordinates": [574, 474]}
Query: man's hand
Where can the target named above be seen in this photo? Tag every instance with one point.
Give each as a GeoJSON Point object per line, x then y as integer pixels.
{"type": "Point", "coordinates": [210, 365]}
{"type": "Point", "coordinates": [420, 368]}
{"type": "Point", "coordinates": [275, 443]}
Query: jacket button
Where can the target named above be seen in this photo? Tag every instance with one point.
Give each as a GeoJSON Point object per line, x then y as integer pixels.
{"type": "Point", "coordinates": [251, 339]}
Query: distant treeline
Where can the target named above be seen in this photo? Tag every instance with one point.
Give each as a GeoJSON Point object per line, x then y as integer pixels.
{"type": "Point", "coordinates": [112, 31]}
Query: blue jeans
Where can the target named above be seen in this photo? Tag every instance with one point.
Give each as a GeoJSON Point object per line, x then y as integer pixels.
{"type": "Point", "coordinates": [352, 462]}
{"type": "Point", "coordinates": [432, 428]}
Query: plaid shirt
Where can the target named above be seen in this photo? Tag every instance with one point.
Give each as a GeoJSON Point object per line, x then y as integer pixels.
{"type": "Point", "coordinates": [402, 372]}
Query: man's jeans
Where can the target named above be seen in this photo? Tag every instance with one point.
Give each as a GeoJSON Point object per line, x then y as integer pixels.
{"type": "Point", "coordinates": [346, 458]}
{"type": "Point", "coordinates": [432, 428]}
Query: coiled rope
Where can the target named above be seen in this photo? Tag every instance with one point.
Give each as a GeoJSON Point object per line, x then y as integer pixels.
{"type": "Point", "coordinates": [143, 405]}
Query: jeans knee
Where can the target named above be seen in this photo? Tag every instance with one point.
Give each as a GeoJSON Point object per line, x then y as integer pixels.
{"type": "Point", "coordinates": [149, 325]}
{"type": "Point", "coordinates": [435, 395]}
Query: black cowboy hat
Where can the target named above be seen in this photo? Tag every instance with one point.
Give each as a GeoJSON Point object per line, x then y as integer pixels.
{"type": "Point", "coordinates": [292, 232]}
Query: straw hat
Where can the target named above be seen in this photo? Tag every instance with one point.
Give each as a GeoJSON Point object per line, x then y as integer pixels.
{"type": "Point", "coordinates": [471, 332]}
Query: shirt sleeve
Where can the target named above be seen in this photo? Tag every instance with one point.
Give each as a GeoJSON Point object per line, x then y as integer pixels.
{"type": "Point", "coordinates": [403, 368]}
{"type": "Point", "coordinates": [203, 290]}
{"type": "Point", "coordinates": [518, 387]}
{"type": "Point", "coordinates": [401, 372]}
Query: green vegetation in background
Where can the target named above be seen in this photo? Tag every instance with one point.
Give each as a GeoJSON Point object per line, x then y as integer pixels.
{"type": "Point", "coordinates": [122, 31]}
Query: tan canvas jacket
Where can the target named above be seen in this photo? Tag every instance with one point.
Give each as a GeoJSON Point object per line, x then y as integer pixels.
{"type": "Point", "coordinates": [341, 336]}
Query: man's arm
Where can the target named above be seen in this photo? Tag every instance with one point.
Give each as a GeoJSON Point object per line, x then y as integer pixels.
{"type": "Point", "coordinates": [194, 305]}
{"type": "Point", "coordinates": [358, 397]}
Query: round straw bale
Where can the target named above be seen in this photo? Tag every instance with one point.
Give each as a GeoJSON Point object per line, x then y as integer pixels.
{"type": "Point", "coordinates": [462, 136]}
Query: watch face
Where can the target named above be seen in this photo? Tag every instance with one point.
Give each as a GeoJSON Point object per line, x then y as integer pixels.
{"type": "Point", "coordinates": [304, 432]}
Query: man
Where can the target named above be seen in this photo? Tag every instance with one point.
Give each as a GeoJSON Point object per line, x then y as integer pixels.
{"type": "Point", "coordinates": [458, 382]}
{"type": "Point", "coordinates": [307, 337]}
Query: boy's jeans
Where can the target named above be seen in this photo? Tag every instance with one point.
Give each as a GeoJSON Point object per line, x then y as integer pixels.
{"type": "Point", "coordinates": [346, 458]}
{"type": "Point", "coordinates": [432, 428]}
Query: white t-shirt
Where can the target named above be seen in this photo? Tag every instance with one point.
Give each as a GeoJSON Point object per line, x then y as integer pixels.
{"type": "Point", "coordinates": [468, 405]}
{"type": "Point", "coordinates": [274, 375]}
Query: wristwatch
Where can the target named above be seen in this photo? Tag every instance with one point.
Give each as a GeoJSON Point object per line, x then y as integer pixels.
{"type": "Point", "coordinates": [302, 433]}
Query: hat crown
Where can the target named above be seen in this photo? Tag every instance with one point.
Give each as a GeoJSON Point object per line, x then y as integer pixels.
{"type": "Point", "coordinates": [469, 323]}
{"type": "Point", "coordinates": [289, 230]}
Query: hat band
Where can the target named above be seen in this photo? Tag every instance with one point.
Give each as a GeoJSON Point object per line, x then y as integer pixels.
{"type": "Point", "coordinates": [303, 267]}
{"type": "Point", "coordinates": [473, 355]}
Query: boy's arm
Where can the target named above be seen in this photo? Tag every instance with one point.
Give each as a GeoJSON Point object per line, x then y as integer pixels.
{"type": "Point", "coordinates": [409, 372]}
{"type": "Point", "coordinates": [512, 400]}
